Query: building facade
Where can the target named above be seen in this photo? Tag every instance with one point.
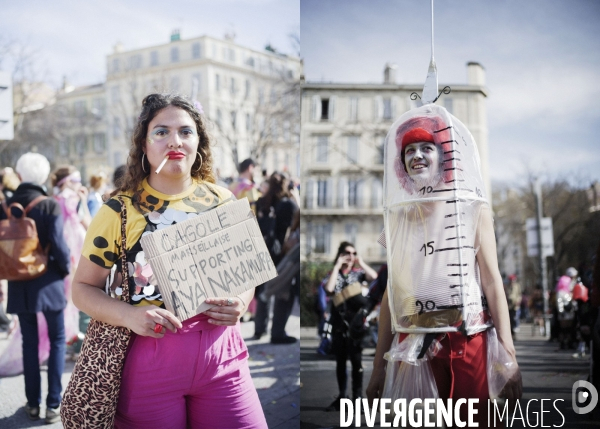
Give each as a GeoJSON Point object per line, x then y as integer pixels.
{"type": "Point", "coordinates": [82, 141]}
{"type": "Point", "coordinates": [343, 130]}
{"type": "Point", "coordinates": [250, 97]}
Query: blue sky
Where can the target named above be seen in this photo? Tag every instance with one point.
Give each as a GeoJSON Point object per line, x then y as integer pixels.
{"type": "Point", "coordinates": [73, 37]}
{"type": "Point", "coordinates": [541, 59]}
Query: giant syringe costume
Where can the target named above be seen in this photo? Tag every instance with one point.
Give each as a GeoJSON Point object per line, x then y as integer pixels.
{"type": "Point", "coordinates": [432, 225]}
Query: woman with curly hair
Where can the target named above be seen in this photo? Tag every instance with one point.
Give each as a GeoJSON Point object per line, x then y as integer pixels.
{"type": "Point", "coordinates": [192, 373]}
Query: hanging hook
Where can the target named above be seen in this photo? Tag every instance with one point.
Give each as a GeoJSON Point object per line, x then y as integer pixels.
{"type": "Point", "coordinates": [447, 90]}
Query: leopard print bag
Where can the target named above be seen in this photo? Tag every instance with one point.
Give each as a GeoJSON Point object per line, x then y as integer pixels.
{"type": "Point", "coordinates": [90, 401]}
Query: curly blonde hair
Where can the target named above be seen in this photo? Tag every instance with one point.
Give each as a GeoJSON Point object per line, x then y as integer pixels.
{"type": "Point", "coordinates": [151, 105]}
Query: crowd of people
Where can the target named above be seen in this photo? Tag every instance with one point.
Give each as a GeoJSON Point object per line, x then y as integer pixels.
{"type": "Point", "coordinates": [81, 228]}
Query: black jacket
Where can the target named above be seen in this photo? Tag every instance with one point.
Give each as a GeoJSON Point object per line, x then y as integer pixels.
{"type": "Point", "coordinates": [47, 292]}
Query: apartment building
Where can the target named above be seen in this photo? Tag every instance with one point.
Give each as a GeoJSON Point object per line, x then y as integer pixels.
{"type": "Point", "coordinates": [343, 130]}
{"type": "Point", "coordinates": [82, 140]}
{"type": "Point", "coordinates": [250, 97]}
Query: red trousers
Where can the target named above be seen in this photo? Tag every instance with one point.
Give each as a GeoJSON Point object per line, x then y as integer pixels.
{"type": "Point", "coordinates": [460, 372]}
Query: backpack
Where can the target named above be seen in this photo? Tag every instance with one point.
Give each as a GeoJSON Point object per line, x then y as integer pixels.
{"type": "Point", "coordinates": [21, 254]}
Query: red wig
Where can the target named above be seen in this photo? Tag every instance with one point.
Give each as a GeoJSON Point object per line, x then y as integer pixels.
{"type": "Point", "coordinates": [425, 129]}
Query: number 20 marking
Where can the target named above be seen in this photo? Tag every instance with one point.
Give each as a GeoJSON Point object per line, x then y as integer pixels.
{"type": "Point", "coordinates": [429, 245]}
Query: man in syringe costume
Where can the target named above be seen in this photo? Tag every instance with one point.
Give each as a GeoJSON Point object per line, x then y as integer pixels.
{"type": "Point", "coordinates": [444, 287]}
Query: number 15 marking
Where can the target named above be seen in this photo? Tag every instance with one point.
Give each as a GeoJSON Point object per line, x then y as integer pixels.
{"type": "Point", "coordinates": [429, 245]}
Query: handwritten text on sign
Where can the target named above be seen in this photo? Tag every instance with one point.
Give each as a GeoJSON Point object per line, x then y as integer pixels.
{"type": "Point", "coordinates": [220, 253]}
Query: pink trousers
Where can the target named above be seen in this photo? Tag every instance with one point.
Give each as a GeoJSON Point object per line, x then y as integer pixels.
{"type": "Point", "coordinates": [196, 378]}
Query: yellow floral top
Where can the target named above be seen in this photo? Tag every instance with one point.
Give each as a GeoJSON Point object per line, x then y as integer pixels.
{"type": "Point", "coordinates": [147, 211]}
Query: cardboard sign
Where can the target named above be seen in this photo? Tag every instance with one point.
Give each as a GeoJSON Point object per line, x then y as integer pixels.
{"type": "Point", "coordinates": [219, 253]}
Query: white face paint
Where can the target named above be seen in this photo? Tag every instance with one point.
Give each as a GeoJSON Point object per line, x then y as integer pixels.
{"type": "Point", "coordinates": [421, 160]}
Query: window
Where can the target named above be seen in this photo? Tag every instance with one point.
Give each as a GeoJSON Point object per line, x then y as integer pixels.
{"type": "Point", "coordinates": [174, 55]}
{"type": "Point", "coordinates": [250, 61]}
{"type": "Point", "coordinates": [376, 193]}
{"type": "Point", "coordinates": [353, 109]}
{"type": "Point", "coordinates": [387, 108]}
{"type": "Point", "coordinates": [135, 62]}
{"type": "Point", "coordinates": [322, 234]}
{"type": "Point", "coordinates": [353, 193]}
{"type": "Point", "coordinates": [116, 130]}
{"type": "Point", "coordinates": [116, 65]}
{"type": "Point", "coordinates": [196, 89]}
{"type": "Point", "coordinates": [322, 193]}
{"type": "Point", "coordinates": [196, 53]}
{"type": "Point", "coordinates": [350, 230]}
{"type": "Point", "coordinates": [352, 153]}
{"type": "Point", "coordinates": [79, 108]}
{"type": "Point", "coordinates": [99, 142]}
{"type": "Point", "coordinates": [274, 130]}
{"type": "Point", "coordinates": [132, 88]}
{"type": "Point", "coordinates": [322, 149]}
{"type": "Point", "coordinates": [80, 144]}
{"type": "Point", "coordinates": [247, 93]}
{"type": "Point", "coordinates": [217, 82]}
{"type": "Point", "coordinates": [232, 87]}
{"type": "Point", "coordinates": [231, 55]}
{"type": "Point", "coordinates": [324, 109]}
{"type": "Point", "coordinates": [98, 107]}
{"type": "Point", "coordinates": [154, 58]}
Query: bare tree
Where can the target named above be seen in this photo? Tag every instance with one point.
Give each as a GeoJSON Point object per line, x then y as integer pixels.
{"type": "Point", "coordinates": [34, 121]}
{"type": "Point", "coordinates": [271, 119]}
{"type": "Point", "coordinates": [568, 204]}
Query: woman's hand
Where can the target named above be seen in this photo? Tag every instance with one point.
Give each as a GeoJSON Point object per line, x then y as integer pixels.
{"type": "Point", "coordinates": [376, 384]}
{"type": "Point", "coordinates": [83, 193]}
{"type": "Point", "coordinates": [341, 260]}
{"type": "Point", "coordinates": [227, 311]}
{"type": "Point", "coordinates": [513, 389]}
{"type": "Point", "coordinates": [144, 319]}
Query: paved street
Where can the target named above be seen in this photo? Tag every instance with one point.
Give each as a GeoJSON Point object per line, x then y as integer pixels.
{"type": "Point", "coordinates": [274, 368]}
{"type": "Point", "coordinates": [548, 373]}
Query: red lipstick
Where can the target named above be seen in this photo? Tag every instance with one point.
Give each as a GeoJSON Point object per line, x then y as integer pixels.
{"type": "Point", "coordinates": [175, 155]}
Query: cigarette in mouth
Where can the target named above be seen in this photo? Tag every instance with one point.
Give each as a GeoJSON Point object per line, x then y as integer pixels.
{"type": "Point", "coordinates": [162, 164]}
